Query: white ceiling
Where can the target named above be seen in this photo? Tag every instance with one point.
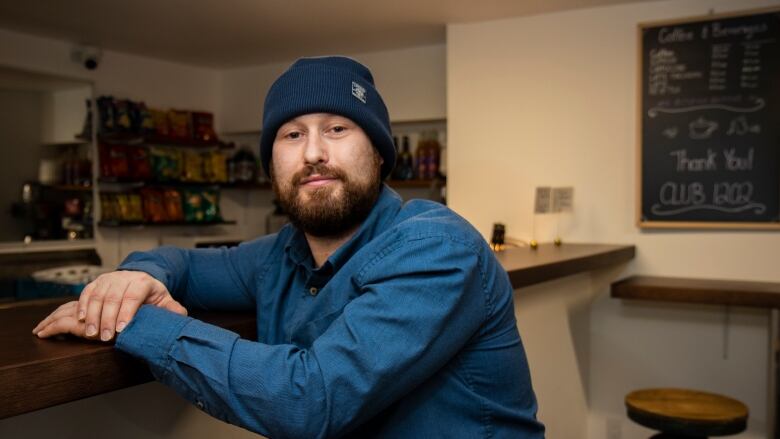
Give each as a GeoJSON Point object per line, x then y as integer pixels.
{"type": "Point", "coordinates": [233, 33]}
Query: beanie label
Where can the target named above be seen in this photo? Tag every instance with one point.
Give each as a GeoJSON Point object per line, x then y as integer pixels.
{"type": "Point", "coordinates": [359, 92]}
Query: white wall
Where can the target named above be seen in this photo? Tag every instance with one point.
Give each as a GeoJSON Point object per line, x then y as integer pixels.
{"type": "Point", "coordinates": [412, 82]}
{"type": "Point", "coordinates": [64, 114]}
{"type": "Point", "coordinates": [551, 100]}
{"type": "Point", "coordinates": [159, 83]}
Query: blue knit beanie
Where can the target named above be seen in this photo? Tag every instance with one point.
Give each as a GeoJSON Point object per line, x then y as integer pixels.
{"type": "Point", "coordinates": [333, 84]}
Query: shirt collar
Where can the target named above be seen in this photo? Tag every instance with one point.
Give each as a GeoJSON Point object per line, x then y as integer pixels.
{"type": "Point", "coordinates": [383, 213]}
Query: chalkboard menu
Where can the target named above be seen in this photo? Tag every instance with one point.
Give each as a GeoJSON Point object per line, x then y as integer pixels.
{"type": "Point", "coordinates": [710, 122]}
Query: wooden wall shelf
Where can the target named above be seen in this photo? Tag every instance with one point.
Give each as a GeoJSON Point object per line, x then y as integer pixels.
{"type": "Point", "coordinates": [703, 291]}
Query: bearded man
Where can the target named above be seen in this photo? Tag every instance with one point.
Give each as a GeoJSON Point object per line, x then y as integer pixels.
{"type": "Point", "coordinates": [375, 318]}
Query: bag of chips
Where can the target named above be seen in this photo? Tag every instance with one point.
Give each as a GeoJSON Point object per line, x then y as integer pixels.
{"type": "Point", "coordinates": [160, 123]}
{"type": "Point", "coordinates": [140, 167]}
{"type": "Point", "coordinates": [117, 164]}
{"type": "Point", "coordinates": [211, 206]}
{"type": "Point", "coordinates": [193, 206]}
{"type": "Point", "coordinates": [215, 166]}
{"type": "Point", "coordinates": [109, 209]}
{"type": "Point", "coordinates": [193, 166]}
{"type": "Point", "coordinates": [153, 205]}
{"type": "Point", "coordinates": [179, 124]}
{"type": "Point", "coordinates": [135, 211]}
{"type": "Point", "coordinates": [173, 209]}
{"type": "Point", "coordinates": [166, 163]}
{"type": "Point", "coordinates": [203, 126]}
{"type": "Point", "coordinates": [201, 206]}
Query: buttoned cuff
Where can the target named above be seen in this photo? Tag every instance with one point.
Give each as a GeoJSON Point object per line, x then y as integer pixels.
{"type": "Point", "coordinates": [150, 335]}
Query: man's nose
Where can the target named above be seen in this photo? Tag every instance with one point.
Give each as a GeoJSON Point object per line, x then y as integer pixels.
{"type": "Point", "coordinates": [315, 150]}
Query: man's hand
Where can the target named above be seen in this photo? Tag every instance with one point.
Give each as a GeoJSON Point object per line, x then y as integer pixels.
{"type": "Point", "coordinates": [62, 321]}
{"type": "Point", "coordinates": [106, 306]}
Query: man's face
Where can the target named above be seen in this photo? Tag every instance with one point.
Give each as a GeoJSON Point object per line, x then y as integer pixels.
{"type": "Point", "coordinates": [325, 173]}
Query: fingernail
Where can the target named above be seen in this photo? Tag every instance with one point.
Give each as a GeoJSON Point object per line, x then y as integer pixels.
{"type": "Point", "coordinates": [91, 330]}
{"type": "Point", "coordinates": [82, 314]}
{"type": "Point", "coordinates": [120, 326]}
{"type": "Point", "coordinates": [106, 336]}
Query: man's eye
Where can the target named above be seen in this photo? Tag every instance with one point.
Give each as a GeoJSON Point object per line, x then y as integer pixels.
{"type": "Point", "coordinates": [293, 135]}
{"type": "Point", "coordinates": [339, 129]}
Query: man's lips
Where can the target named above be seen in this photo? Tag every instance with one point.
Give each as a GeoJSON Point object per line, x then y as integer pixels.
{"type": "Point", "coordinates": [317, 180]}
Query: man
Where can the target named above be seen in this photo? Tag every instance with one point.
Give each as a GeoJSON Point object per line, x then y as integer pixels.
{"type": "Point", "coordinates": [375, 318]}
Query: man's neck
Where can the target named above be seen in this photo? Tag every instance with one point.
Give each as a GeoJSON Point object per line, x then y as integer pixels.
{"type": "Point", "coordinates": [322, 247]}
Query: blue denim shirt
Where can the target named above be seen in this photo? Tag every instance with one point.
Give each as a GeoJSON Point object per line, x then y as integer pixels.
{"type": "Point", "coordinates": [407, 331]}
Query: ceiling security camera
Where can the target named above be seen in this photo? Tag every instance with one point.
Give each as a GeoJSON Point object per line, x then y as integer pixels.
{"type": "Point", "coordinates": [87, 56]}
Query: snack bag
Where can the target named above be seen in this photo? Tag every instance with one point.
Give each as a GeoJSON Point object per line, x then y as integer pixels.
{"type": "Point", "coordinates": [193, 166]}
{"type": "Point", "coordinates": [124, 207]}
{"type": "Point", "coordinates": [135, 211]}
{"type": "Point", "coordinates": [215, 166]}
{"type": "Point", "coordinates": [166, 163]}
{"type": "Point", "coordinates": [179, 122]}
{"type": "Point", "coordinates": [211, 206]}
{"type": "Point", "coordinates": [140, 166]}
{"type": "Point", "coordinates": [193, 206]}
{"type": "Point", "coordinates": [153, 205]}
{"type": "Point", "coordinates": [173, 208]}
{"type": "Point", "coordinates": [109, 209]}
{"type": "Point", "coordinates": [146, 121]}
{"type": "Point", "coordinates": [160, 123]}
{"type": "Point", "coordinates": [118, 163]}
{"type": "Point", "coordinates": [203, 126]}
{"type": "Point", "coordinates": [122, 117]}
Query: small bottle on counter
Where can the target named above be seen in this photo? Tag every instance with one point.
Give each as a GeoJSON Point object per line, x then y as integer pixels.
{"type": "Point", "coordinates": [406, 161]}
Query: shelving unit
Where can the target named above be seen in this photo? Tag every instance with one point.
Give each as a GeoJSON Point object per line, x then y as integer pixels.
{"type": "Point", "coordinates": [141, 224]}
{"type": "Point", "coordinates": [109, 187]}
{"type": "Point", "coordinates": [67, 187]}
{"type": "Point", "coordinates": [134, 139]}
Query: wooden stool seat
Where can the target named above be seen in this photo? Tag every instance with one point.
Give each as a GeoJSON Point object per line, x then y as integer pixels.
{"type": "Point", "coordinates": [686, 413]}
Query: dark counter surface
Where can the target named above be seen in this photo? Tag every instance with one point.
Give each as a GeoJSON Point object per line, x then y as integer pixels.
{"type": "Point", "coordinates": [527, 267]}
{"type": "Point", "coordinates": [36, 374]}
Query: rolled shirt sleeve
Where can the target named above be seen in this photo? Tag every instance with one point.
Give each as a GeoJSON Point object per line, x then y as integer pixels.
{"type": "Point", "coordinates": [413, 315]}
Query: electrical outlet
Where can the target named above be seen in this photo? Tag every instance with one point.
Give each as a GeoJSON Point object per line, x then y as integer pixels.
{"type": "Point", "coordinates": [614, 428]}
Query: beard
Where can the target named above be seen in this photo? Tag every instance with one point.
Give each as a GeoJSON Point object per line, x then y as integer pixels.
{"type": "Point", "coordinates": [329, 212]}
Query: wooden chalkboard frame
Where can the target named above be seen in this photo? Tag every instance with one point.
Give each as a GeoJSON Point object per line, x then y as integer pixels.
{"type": "Point", "coordinates": [650, 224]}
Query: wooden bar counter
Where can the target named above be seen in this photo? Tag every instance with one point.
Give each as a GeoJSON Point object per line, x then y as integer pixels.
{"type": "Point", "coordinates": [36, 374]}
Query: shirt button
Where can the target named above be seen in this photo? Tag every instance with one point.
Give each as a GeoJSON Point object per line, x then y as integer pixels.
{"type": "Point", "coordinates": [199, 404]}
{"type": "Point", "coordinates": [313, 291]}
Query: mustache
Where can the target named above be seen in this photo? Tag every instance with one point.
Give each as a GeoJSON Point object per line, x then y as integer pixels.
{"type": "Point", "coordinates": [319, 169]}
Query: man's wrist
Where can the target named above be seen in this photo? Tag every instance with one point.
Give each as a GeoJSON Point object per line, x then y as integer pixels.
{"type": "Point", "coordinates": [150, 334]}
